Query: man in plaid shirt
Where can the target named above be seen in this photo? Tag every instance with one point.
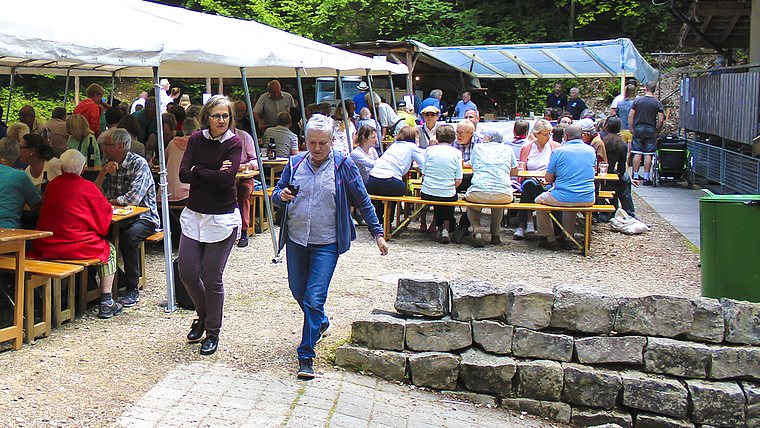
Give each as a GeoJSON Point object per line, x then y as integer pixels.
{"type": "Point", "coordinates": [127, 180]}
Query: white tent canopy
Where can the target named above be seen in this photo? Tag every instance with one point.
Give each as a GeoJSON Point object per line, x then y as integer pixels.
{"type": "Point", "coordinates": [183, 42]}
{"type": "Point", "coordinates": [603, 58]}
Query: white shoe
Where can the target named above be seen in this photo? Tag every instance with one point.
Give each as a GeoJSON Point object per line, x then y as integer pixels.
{"type": "Point", "coordinates": [445, 236]}
{"type": "Point", "coordinates": [519, 233]}
{"type": "Point", "coordinates": [529, 228]}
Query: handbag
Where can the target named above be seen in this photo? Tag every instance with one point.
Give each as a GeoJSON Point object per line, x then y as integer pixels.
{"type": "Point", "coordinates": [624, 223]}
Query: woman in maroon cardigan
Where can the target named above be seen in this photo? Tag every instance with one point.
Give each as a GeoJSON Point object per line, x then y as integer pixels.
{"type": "Point", "coordinates": [211, 220]}
{"type": "Point", "coordinates": [79, 216]}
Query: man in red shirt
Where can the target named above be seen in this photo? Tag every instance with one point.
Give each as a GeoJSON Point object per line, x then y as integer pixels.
{"type": "Point", "coordinates": [92, 107]}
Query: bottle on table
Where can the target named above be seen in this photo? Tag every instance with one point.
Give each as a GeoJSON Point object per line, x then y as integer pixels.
{"type": "Point", "coordinates": [90, 154]}
{"type": "Point", "coordinates": [272, 149]}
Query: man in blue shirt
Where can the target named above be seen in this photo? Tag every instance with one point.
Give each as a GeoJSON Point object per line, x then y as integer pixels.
{"type": "Point", "coordinates": [359, 100]}
{"type": "Point", "coordinates": [571, 170]}
{"type": "Point", "coordinates": [463, 105]}
{"type": "Point", "coordinates": [435, 100]}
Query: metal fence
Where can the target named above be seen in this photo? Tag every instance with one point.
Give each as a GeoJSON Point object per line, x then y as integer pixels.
{"type": "Point", "coordinates": [733, 170]}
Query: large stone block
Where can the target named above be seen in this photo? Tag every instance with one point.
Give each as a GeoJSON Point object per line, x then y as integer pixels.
{"type": "Point", "coordinates": [477, 300]}
{"type": "Point", "coordinates": [426, 297]}
{"type": "Point", "coordinates": [379, 332]}
{"type": "Point", "coordinates": [535, 344]}
{"type": "Point", "coordinates": [589, 386]}
{"type": "Point", "coordinates": [483, 372]}
{"type": "Point", "coordinates": [585, 311]}
{"type": "Point", "coordinates": [386, 364]}
{"type": "Point", "coordinates": [589, 417]}
{"type": "Point", "coordinates": [539, 379]}
{"type": "Point", "coordinates": [678, 358]}
{"type": "Point", "coordinates": [735, 362]}
{"type": "Point", "coordinates": [654, 393]}
{"type": "Point", "coordinates": [434, 370]}
{"type": "Point", "coordinates": [752, 398]}
{"type": "Point", "coordinates": [708, 325]}
{"type": "Point", "coordinates": [742, 321]}
{"type": "Point", "coordinates": [529, 308]}
{"type": "Point", "coordinates": [603, 350]}
{"type": "Point", "coordinates": [438, 335]}
{"type": "Point", "coordinates": [647, 420]}
{"type": "Point", "coordinates": [716, 403]}
{"type": "Point", "coordinates": [472, 397]}
{"type": "Point", "coordinates": [493, 336]}
{"type": "Point", "coordinates": [665, 316]}
{"type": "Point", "coordinates": [553, 410]}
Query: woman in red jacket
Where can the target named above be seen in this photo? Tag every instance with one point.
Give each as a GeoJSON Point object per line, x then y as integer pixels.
{"type": "Point", "coordinates": [79, 216]}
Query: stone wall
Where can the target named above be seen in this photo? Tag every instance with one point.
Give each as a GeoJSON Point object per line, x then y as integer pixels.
{"type": "Point", "coordinates": [574, 355]}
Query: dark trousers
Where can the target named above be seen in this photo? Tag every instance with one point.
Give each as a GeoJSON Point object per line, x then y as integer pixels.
{"type": "Point", "coordinates": [200, 267]}
{"type": "Point", "coordinates": [441, 213]}
{"type": "Point", "coordinates": [244, 190]}
{"type": "Point", "coordinates": [132, 234]}
{"type": "Point", "coordinates": [530, 189]}
{"type": "Point", "coordinates": [623, 193]}
{"type": "Point", "coordinates": [385, 187]}
{"type": "Point", "coordinates": [464, 221]}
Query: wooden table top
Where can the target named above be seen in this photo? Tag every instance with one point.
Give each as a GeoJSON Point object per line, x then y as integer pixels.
{"type": "Point", "coordinates": [10, 235]}
{"type": "Point", "coordinates": [135, 212]}
{"type": "Point", "coordinates": [537, 174]}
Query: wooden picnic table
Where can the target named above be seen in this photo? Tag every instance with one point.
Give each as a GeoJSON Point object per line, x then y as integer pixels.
{"type": "Point", "coordinates": [13, 241]}
{"type": "Point", "coordinates": [115, 229]}
{"type": "Point", "coordinates": [275, 165]}
{"type": "Point", "coordinates": [541, 174]}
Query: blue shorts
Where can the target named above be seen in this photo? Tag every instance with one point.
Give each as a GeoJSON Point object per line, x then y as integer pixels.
{"type": "Point", "coordinates": [644, 140]}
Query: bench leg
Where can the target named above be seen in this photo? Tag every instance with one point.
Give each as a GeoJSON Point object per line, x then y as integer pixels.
{"type": "Point", "coordinates": [63, 314]}
{"type": "Point", "coordinates": [33, 330]}
{"type": "Point", "coordinates": [387, 219]}
{"type": "Point", "coordinates": [141, 282]}
{"type": "Point", "coordinates": [587, 243]}
{"type": "Point", "coordinates": [565, 232]}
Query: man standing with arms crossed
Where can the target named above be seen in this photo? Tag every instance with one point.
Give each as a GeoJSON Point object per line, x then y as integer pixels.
{"type": "Point", "coordinates": [645, 121]}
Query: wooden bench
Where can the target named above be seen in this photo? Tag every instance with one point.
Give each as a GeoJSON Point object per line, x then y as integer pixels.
{"type": "Point", "coordinates": [258, 212]}
{"type": "Point", "coordinates": [85, 294]}
{"type": "Point", "coordinates": [511, 206]}
{"type": "Point", "coordinates": [39, 273]}
{"type": "Point", "coordinates": [156, 237]}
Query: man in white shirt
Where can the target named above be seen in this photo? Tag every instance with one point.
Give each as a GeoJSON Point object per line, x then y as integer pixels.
{"type": "Point", "coordinates": [164, 98]}
{"type": "Point", "coordinates": [139, 102]}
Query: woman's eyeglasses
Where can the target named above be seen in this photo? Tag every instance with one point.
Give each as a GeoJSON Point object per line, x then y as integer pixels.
{"type": "Point", "coordinates": [430, 114]}
{"type": "Point", "coordinates": [219, 117]}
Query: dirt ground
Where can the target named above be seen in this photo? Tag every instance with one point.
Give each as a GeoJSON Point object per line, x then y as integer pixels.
{"type": "Point", "coordinates": [90, 370]}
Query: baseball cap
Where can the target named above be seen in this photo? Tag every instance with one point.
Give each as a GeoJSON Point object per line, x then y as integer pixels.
{"type": "Point", "coordinates": [401, 104]}
{"type": "Point", "coordinates": [587, 125]}
{"type": "Point", "coordinates": [362, 86]}
{"type": "Point", "coordinates": [430, 109]}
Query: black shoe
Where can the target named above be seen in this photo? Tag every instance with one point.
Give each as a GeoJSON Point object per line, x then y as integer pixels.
{"type": "Point", "coordinates": [458, 234]}
{"type": "Point", "coordinates": [324, 328]}
{"type": "Point", "coordinates": [130, 299]}
{"type": "Point", "coordinates": [243, 241]}
{"type": "Point", "coordinates": [551, 245]}
{"type": "Point", "coordinates": [108, 311]}
{"type": "Point", "coordinates": [647, 182]}
{"type": "Point", "coordinates": [306, 369]}
{"type": "Point", "coordinates": [196, 330]}
{"type": "Point", "coordinates": [209, 345]}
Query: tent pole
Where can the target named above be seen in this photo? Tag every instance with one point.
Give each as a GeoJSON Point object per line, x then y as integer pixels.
{"type": "Point", "coordinates": [113, 83]}
{"type": "Point", "coordinates": [267, 201]}
{"type": "Point", "coordinates": [345, 112]}
{"type": "Point", "coordinates": [393, 93]}
{"type": "Point", "coordinates": [66, 90]}
{"type": "Point", "coordinates": [622, 82]}
{"type": "Point", "coordinates": [10, 93]}
{"type": "Point", "coordinates": [300, 98]}
{"type": "Point", "coordinates": [374, 111]}
{"type": "Point", "coordinates": [163, 185]}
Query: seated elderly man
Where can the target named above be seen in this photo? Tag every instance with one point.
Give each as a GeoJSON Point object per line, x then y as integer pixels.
{"type": "Point", "coordinates": [592, 138]}
{"type": "Point", "coordinates": [55, 131]}
{"type": "Point", "coordinates": [474, 116]}
{"type": "Point", "coordinates": [126, 179]}
{"type": "Point", "coordinates": [571, 170]}
{"type": "Point", "coordinates": [284, 139]}
{"type": "Point", "coordinates": [492, 165]}
{"type": "Point", "coordinates": [79, 216]}
{"type": "Point", "coordinates": [16, 188]}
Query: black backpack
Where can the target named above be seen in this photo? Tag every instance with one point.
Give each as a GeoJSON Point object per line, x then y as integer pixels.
{"type": "Point", "coordinates": [180, 292]}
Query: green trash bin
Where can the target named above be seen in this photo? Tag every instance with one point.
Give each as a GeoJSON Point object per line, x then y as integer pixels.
{"type": "Point", "coordinates": [730, 241]}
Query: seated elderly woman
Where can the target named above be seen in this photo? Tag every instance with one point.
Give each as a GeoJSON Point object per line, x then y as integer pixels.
{"type": "Point", "coordinates": [386, 178]}
{"type": "Point", "coordinates": [16, 188]}
{"type": "Point", "coordinates": [80, 217]}
{"type": "Point", "coordinates": [535, 154]}
{"type": "Point", "coordinates": [441, 174]}
{"type": "Point", "coordinates": [493, 163]}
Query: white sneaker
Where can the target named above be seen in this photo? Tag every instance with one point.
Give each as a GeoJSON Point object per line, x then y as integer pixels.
{"type": "Point", "coordinates": [519, 233]}
{"type": "Point", "coordinates": [445, 236]}
{"type": "Point", "coordinates": [529, 228]}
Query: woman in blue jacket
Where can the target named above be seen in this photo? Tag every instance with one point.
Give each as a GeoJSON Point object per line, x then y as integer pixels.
{"type": "Point", "coordinates": [319, 187]}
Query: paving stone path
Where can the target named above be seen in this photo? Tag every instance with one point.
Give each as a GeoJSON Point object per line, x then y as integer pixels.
{"type": "Point", "coordinates": [212, 395]}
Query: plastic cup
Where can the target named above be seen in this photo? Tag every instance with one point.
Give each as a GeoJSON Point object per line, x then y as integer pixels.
{"type": "Point", "coordinates": [520, 166]}
{"type": "Point", "coordinates": [603, 167]}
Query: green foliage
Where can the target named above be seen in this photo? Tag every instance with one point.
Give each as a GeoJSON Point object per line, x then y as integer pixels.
{"type": "Point", "coordinates": [43, 106]}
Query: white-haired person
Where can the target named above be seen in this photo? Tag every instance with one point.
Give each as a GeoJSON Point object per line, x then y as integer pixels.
{"type": "Point", "coordinates": [211, 219]}
{"type": "Point", "coordinates": [16, 188]}
{"type": "Point", "coordinates": [535, 153]}
{"type": "Point", "coordinates": [79, 216]}
{"type": "Point", "coordinates": [318, 227]}
{"type": "Point", "coordinates": [493, 163]}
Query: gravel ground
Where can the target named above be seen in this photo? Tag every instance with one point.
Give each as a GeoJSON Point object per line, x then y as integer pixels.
{"type": "Point", "coordinates": [91, 370]}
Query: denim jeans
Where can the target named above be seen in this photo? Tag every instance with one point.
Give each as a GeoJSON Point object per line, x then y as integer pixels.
{"type": "Point", "coordinates": [132, 234]}
{"type": "Point", "coordinates": [310, 270]}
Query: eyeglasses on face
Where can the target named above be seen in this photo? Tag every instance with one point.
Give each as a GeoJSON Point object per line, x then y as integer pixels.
{"type": "Point", "coordinates": [219, 117]}
{"type": "Point", "coordinates": [429, 114]}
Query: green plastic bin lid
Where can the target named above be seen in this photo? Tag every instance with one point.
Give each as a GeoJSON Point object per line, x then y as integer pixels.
{"type": "Point", "coordinates": [743, 199]}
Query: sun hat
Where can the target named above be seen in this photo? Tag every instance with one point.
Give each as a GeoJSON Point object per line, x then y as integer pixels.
{"type": "Point", "coordinates": [430, 109]}
{"type": "Point", "coordinates": [362, 86]}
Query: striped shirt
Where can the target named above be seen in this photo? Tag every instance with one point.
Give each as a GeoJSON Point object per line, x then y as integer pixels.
{"type": "Point", "coordinates": [132, 184]}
